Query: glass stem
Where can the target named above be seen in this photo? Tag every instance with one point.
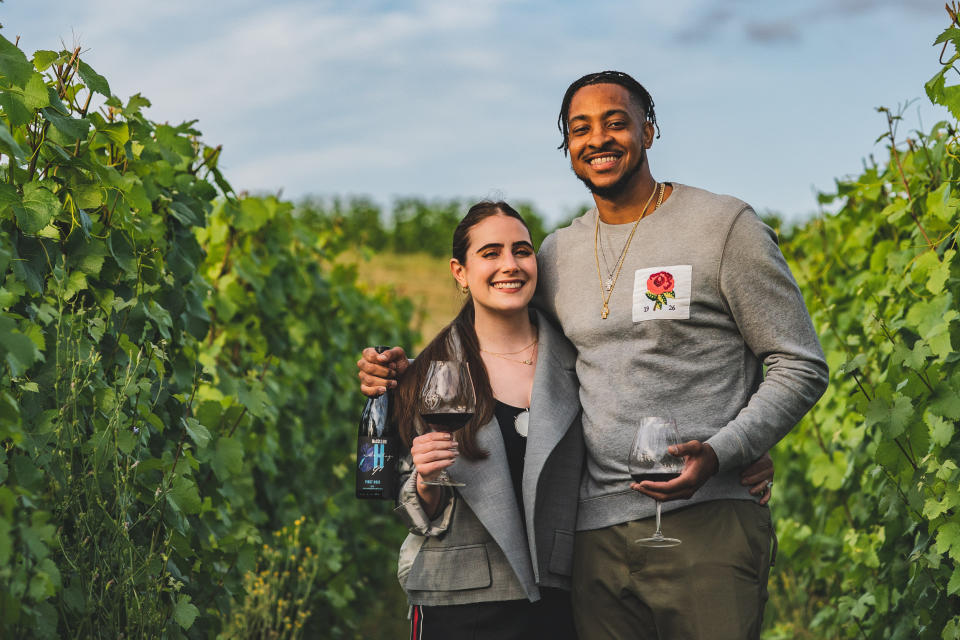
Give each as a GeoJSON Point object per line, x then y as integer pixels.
{"type": "Point", "coordinates": [658, 534]}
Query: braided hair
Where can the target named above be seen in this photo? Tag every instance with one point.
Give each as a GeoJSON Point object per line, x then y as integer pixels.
{"type": "Point", "coordinates": [634, 88]}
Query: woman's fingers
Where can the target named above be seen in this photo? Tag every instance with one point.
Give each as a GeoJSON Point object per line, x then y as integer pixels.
{"type": "Point", "coordinates": [433, 452]}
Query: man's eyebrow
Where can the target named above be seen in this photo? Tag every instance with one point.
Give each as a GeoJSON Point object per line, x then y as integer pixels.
{"type": "Point", "coordinates": [606, 114]}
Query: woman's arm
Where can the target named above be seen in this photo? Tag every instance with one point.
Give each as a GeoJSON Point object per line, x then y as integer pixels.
{"type": "Point", "coordinates": [427, 509]}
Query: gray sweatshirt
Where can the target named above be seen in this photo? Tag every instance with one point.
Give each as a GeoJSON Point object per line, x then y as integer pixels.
{"type": "Point", "coordinates": [704, 301]}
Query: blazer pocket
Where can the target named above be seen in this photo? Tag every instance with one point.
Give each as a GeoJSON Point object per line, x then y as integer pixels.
{"type": "Point", "coordinates": [450, 569]}
{"type": "Point", "coordinates": [561, 556]}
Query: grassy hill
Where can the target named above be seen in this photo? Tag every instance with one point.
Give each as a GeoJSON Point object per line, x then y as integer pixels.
{"type": "Point", "coordinates": [422, 278]}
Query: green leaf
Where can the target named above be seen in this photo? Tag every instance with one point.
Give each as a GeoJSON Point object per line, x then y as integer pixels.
{"type": "Point", "coordinates": [93, 80]}
{"type": "Point", "coordinates": [198, 433]}
{"type": "Point", "coordinates": [117, 132]}
{"type": "Point", "coordinates": [39, 208]}
{"type": "Point", "coordinates": [35, 94]}
{"type": "Point", "coordinates": [182, 212]}
{"type": "Point", "coordinates": [42, 59]}
{"type": "Point", "coordinates": [948, 540]}
{"type": "Point", "coordinates": [901, 415]}
{"type": "Point", "coordinates": [951, 34]}
{"type": "Point", "coordinates": [126, 441]}
{"type": "Point", "coordinates": [15, 109]}
{"type": "Point", "coordinates": [14, 64]}
{"type": "Point", "coordinates": [941, 94]}
{"type": "Point", "coordinates": [185, 494]}
{"type": "Point", "coordinates": [19, 349]}
{"type": "Point", "coordinates": [122, 251]}
{"type": "Point", "coordinates": [946, 404]}
{"type": "Point", "coordinates": [940, 204]}
{"type": "Point", "coordinates": [828, 471]}
{"type": "Point", "coordinates": [228, 458]}
{"type": "Point", "coordinates": [72, 128]}
{"type": "Point", "coordinates": [941, 431]}
{"type": "Point", "coordinates": [88, 196]}
{"type": "Point", "coordinates": [11, 145]}
{"type": "Point", "coordinates": [28, 475]}
{"type": "Point", "coordinates": [254, 399]}
{"type": "Point", "coordinates": [946, 470]}
{"type": "Point", "coordinates": [953, 587]}
{"type": "Point", "coordinates": [857, 362]}
{"type": "Point", "coordinates": [184, 612]}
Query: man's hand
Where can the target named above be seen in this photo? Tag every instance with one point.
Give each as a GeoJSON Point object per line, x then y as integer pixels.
{"type": "Point", "coordinates": [759, 477]}
{"type": "Point", "coordinates": [700, 463]}
{"type": "Point", "coordinates": [379, 371]}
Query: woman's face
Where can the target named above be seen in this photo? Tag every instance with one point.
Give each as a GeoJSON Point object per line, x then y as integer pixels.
{"type": "Point", "coordinates": [501, 267]}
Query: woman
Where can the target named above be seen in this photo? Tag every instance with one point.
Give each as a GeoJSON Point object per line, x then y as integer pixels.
{"type": "Point", "coordinates": [492, 559]}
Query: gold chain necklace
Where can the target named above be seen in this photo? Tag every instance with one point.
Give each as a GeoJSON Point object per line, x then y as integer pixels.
{"type": "Point", "coordinates": [606, 292]}
{"type": "Point", "coordinates": [530, 361]}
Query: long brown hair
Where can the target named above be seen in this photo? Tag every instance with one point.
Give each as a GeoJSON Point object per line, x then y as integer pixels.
{"type": "Point", "coordinates": [408, 390]}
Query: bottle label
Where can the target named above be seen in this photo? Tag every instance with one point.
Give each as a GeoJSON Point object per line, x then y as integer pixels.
{"type": "Point", "coordinates": [373, 455]}
{"type": "Point", "coordinates": [375, 472]}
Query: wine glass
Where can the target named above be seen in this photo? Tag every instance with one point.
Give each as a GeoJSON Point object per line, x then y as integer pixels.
{"type": "Point", "coordinates": [649, 460]}
{"type": "Point", "coordinates": [447, 402]}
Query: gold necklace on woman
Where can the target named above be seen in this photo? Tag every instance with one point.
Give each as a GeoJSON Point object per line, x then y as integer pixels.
{"type": "Point", "coordinates": [606, 291]}
{"type": "Point", "coordinates": [530, 361]}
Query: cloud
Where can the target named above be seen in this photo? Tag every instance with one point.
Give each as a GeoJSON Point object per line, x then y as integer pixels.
{"type": "Point", "coordinates": [785, 23]}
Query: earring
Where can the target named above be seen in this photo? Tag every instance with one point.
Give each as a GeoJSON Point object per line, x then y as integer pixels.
{"type": "Point", "coordinates": [465, 289]}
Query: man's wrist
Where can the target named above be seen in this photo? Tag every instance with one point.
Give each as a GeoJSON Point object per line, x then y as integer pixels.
{"type": "Point", "coordinates": [712, 461]}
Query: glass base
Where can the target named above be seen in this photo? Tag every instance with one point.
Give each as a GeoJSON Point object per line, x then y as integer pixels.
{"type": "Point", "coordinates": [657, 542]}
{"type": "Point", "coordinates": [444, 482]}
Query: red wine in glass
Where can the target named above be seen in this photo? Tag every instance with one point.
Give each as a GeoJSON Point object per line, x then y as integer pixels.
{"type": "Point", "coordinates": [654, 476]}
{"type": "Point", "coordinates": [447, 422]}
{"type": "Point", "coordinates": [447, 402]}
{"type": "Point", "coordinates": [650, 459]}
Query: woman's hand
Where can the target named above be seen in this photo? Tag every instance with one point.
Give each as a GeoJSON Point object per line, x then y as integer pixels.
{"type": "Point", "coordinates": [759, 477]}
{"type": "Point", "coordinates": [432, 453]}
{"type": "Point", "coordinates": [379, 371]}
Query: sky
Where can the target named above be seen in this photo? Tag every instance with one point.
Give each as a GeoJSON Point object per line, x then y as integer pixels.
{"type": "Point", "coordinates": [767, 101]}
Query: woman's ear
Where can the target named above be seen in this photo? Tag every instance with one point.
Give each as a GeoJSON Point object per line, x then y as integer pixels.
{"type": "Point", "coordinates": [459, 272]}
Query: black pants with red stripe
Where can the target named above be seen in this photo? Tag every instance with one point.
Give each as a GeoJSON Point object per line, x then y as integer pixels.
{"type": "Point", "coordinates": [549, 618]}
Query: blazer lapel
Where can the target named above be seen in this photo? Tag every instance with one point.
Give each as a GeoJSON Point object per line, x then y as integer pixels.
{"type": "Point", "coordinates": [554, 405]}
{"type": "Point", "coordinates": [489, 492]}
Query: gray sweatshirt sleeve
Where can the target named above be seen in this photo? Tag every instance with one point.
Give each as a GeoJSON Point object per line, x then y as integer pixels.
{"type": "Point", "coordinates": [768, 308]}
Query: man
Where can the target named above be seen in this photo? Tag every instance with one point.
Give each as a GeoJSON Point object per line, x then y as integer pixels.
{"type": "Point", "coordinates": [675, 299]}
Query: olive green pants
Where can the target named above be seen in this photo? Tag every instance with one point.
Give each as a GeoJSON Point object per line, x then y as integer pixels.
{"type": "Point", "coordinates": [711, 586]}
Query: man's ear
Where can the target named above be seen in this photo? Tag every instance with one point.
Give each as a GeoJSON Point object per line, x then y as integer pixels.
{"type": "Point", "coordinates": [648, 134]}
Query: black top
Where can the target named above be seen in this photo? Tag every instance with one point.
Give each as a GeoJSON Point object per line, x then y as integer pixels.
{"type": "Point", "coordinates": [514, 443]}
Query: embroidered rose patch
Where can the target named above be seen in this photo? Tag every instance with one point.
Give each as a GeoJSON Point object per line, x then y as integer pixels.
{"type": "Point", "coordinates": [662, 292]}
{"type": "Point", "coordinates": [659, 288]}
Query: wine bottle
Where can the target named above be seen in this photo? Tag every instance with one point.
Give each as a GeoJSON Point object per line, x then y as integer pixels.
{"type": "Point", "coordinates": [377, 446]}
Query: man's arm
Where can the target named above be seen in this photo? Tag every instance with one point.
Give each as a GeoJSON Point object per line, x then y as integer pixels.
{"type": "Point", "coordinates": [765, 302]}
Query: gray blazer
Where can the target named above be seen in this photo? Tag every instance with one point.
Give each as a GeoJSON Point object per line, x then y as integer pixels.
{"type": "Point", "coordinates": [481, 548]}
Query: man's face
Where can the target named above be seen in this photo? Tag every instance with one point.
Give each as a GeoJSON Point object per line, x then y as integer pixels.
{"type": "Point", "coordinates": [608, 138]}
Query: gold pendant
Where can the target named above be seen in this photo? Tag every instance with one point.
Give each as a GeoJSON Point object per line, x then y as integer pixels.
{"type": "Point", "coordinates": [605, 312]}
